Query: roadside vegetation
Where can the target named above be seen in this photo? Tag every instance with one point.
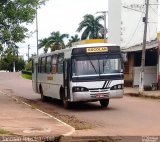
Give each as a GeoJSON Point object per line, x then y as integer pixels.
{"type": "Point", "coordinates": [4, 132]}
{"type": "Point", "coordinates": [89, 28]}
{"type": "Point", "coordinates": [14, 17]}
{"type": "Point", "coordinates": [26, 76]}
{"type": "Point", "coordinates": [27, 72]}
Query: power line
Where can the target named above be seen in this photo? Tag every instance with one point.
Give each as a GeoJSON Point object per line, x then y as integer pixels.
{"type": "Point", "coordinates": [135, 30]}
{"type": "Point", "coordinates": [153, 10]}
{"type": "Point", "coordinates": [133, 9]}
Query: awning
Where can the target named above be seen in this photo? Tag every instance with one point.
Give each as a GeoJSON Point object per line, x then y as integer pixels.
{"type": "Point", "coordinates": [150, 45]}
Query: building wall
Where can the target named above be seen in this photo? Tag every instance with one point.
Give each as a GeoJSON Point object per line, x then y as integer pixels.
{"type": "Point", "coordinates": [128, 70]}
{"type": "Point", "coordinates": [125, 26]}
{"type": "Point", "coordinates": [132, 26]}
{"type": "Point", "coordinates": [150, 75]}
{"type": "Point", "coordinates": [114, 21]}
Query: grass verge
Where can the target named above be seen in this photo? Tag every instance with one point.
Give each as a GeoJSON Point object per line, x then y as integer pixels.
{"type": "Point", "coordinates": [26, 76]}
{"type": "Point", "coordinates": [4, 132]}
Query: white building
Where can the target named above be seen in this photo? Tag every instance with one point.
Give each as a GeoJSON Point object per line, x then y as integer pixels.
{"type": "Point", "coordinates": [126, 28]}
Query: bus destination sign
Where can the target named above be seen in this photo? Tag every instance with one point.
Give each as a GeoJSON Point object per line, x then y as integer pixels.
{"type": "Point", "coordinates": [96, 49]}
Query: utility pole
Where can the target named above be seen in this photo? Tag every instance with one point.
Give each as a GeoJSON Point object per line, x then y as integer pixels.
{"type": "Point", "coordinates": [145, 20]}
{"type": "Point", "coordinates": [28, 51]}
{"type": "Point", "coordinates": [105, 32]}
{"type": "Point", "coordinates": [14, 64]}
{"type": "Point", "coordinates": [37, 28]}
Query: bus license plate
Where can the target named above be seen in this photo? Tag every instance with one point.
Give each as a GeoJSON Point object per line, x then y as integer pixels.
{"type": "Point", "coordinates": [101, 95]}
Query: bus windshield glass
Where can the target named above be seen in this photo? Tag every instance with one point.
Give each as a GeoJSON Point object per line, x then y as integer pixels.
{"type": "Point", "coordinates": [93, 65]}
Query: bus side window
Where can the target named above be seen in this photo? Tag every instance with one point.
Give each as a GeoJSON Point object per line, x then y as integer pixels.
{"type": "Point", "coordinates": [54, 64]}
{"type": "Point", "coordinates": [43, 63]}
{"type": "Point", "coordinates": [33, 65]}
{"type": "Point", "coordinates": [48, 64]}
{"type": "Point", "coordinates": [60, 63]}
{"type": "Point", "coordinates": [39, 65]}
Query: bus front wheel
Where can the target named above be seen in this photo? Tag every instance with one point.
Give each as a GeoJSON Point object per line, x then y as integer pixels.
{"type": "Point", "coordinates": [104, 103]}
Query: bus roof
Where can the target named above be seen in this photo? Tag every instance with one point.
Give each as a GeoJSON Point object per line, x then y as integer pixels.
{"type": "Point", "coordinates": [77, 46]}
{"type": "Point", "coordinates": [94, 45]}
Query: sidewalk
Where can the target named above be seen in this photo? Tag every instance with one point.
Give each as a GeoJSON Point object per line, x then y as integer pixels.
{"type": "Point", "coordinates": [135, 92]}
{"type": "Point", "coordinates": [23, 120]}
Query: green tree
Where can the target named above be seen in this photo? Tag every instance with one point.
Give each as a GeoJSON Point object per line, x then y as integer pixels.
{"type": "Point", "coordinates": [44, 43]}
{"type": "Point", "coordinates": [6, 63]}
{"type": "Point", "coordinates": [14, 16]}
{"type": "Point", "coordinates": [20, 64]}
{"type": "Point", "coordinates": [28, 66]}
{"type": "Point", "coordinates": [73, 39]}
{"type": "Point", "coordinates": [54, 42]}
{"type": "Point", "coordinates": [91, 27]}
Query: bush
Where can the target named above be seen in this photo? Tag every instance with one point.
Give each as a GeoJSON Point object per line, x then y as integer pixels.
{"type": "Point", "coordinates": [26, 72]}
{"type": "Point", "coordinates": [28, 66]}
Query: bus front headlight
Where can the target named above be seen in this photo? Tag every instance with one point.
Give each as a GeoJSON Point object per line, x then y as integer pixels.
{"type": "Point", "coordinates": [117, 87]}
{"type": "Point", "coordinates": [79, 89]}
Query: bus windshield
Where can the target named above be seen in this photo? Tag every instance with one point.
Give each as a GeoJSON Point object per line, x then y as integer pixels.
{"type": "Point", "coordinates": [93, 65]}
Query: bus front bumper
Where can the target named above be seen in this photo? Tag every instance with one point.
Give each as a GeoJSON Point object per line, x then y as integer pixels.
{"type": "Point", "coordinates": [96, 96]}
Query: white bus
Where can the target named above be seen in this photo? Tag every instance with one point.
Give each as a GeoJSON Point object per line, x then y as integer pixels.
{"type": "Point", "coordinates": [90, 72]}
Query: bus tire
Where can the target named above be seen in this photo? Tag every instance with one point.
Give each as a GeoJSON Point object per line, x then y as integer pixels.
{"type": "Point", "coordinates": [43, 98]}
{"type": "Point", "coordinates": [61, 92]}
{"type": "Point", "coordinates": [66, 103]}
{"type": "Point", "coordinates": [104, 103]}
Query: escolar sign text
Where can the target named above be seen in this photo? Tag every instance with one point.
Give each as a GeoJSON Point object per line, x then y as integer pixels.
{"type": "Point", "coordinates": [96, 49]}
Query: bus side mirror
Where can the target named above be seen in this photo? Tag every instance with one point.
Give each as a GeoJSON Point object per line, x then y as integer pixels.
{"type": "Point", "coordinates": [124, 57]}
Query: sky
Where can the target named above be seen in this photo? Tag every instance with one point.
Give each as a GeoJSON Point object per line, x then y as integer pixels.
{"type": "Point", "coordinates": [63, 16]}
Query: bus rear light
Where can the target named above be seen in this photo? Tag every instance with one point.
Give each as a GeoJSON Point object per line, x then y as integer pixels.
{"type": "Point", "coordinates": [79, 89]}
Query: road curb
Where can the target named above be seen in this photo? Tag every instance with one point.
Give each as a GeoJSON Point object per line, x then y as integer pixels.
{"type": "Point", "coordinates": [47, 114]}
{"type": "Point", "coordinates": [142, 96]}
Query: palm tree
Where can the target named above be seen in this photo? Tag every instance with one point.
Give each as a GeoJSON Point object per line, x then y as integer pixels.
{"type": "Point", "coordinates": [44, 43]}
{"type": "Point", "coordinates": [91, 27]}
{"type": "Point", "coordinates": [73, 39]}
{"type": "Point", "coordinates": [56, 40]}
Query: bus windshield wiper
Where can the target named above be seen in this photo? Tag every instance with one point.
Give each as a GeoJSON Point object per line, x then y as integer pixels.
{"type": "Point", "coordinates": [92, 64]}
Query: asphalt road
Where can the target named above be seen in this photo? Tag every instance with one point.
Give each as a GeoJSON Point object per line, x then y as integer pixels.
{"type": "Point", "coordinates": [129, 116]}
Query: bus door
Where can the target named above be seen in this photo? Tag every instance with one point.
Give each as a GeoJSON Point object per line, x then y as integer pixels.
{"type": "Point", "coordinates": [35, 74]}
{"type": "Point", "coordinates": [66, 77]}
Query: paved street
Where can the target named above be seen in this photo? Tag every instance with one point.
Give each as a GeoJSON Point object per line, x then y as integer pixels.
{"type": "Point", "coordinates": [128, 116]}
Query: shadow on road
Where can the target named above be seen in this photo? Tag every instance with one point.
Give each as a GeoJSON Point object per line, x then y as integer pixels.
{"type": "Point", "coordinates": [76, 106]}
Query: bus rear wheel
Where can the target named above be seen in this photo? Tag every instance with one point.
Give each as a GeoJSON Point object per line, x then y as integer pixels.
{"type": "Point", "coordinates": [66, 103]}
{"type": "Point", "coordinates": [43, 98]}
{"type": "Point", "coordinates": [104, 103]}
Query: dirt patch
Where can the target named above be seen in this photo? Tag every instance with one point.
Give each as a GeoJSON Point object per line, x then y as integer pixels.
{"type": "Point", "coordinates": [47, 107]}
{"type": "Point", "coordinates": [71, 120]}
